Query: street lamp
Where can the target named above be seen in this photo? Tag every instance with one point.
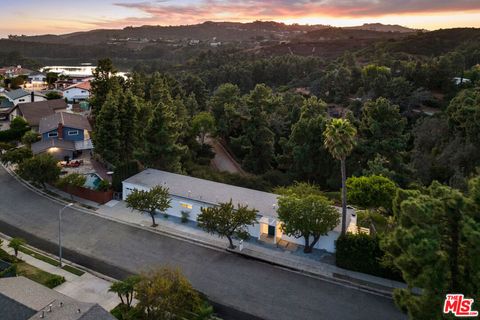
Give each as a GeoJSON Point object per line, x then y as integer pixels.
{"type": "Point", "coordinates": [60, 231]}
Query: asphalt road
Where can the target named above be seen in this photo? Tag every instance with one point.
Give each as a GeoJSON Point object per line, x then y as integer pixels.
{"type": "Point", "coordinates": [116, 249]}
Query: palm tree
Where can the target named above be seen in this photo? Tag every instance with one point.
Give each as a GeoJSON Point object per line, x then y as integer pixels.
{"type": "Point", "coordinates": [339, 140]}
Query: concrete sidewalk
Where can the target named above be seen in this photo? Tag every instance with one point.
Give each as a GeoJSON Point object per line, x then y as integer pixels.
{"type": "Point", "coordinates": [85, 288]}
{"type": "Point", "coordinates": [309, 264]}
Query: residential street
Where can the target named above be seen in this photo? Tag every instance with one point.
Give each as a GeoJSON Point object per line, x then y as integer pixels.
{"type": "Point", "coordinates": [116, 249]}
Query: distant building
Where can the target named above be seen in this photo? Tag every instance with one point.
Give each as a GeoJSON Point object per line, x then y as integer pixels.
{"type": "Point", "coordinates": [14, 71]}
{"type": "Point", "coordinates": [189, 194]}
{"type": "Point", "coordinates": [460, 80]}
{"type": "Point", "coordinates": [78, 92]}
{"type": "Point", "coordinates": [24, 299]}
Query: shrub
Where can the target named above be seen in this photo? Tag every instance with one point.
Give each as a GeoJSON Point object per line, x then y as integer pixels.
{"type": "Point", "coordinates": [54, 280]}
{"type": "Point", "coordinates": [73, 179]}
{"type": "Point", "coordinates": [104, 185]}
{"type": "Point", "coordinates": [362, 253]}
{"type": "Point", "coordinates": [185, 216]}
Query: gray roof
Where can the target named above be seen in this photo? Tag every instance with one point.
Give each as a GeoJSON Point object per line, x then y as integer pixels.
{"type": "Point", "coordinates": [70, 120]}
{"type": "Point", "coordinates": [43, 145]}
{"type": "Point", "coordinates": [11, 309]}
{"type": "Point", "coordinates": [36, 298]}
{"type": "Point", "coordinates": [207, 191]}
{"type": "Point", "coordinates": [214, 192]}
{"type": "Point", "coordinates": [34, 111]}
{"type": "Point", "coordinates": [15, 94]}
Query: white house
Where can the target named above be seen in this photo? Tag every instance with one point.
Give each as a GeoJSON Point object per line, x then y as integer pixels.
{"type": "Point", "coordinates": [21, 96]}
{"type": "Point", "coordinates": [78, 92]}
{"type": "Point", "coordinates": [190, 194]}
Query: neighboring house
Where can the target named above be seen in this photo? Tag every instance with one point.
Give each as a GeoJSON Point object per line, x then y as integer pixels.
{"type": "Point", "coordinates": [33, 112]}
{"type": "Point", "coordinates": [64, 135]}
{"type": "Point", "coordinates": [24, 299]}
{"type": "Point", "coordinates": [20, 96]}
{"type": "Point", "coordinates": [78, 92]}
{"type": "Point", "coordinates": [37, 77]}
{"type": "Point", "coordinates": [5, 107]}
{"type": "Point", "coordinates": [191, 194]}
{"type": "Point", "coordinates": [14, 71]}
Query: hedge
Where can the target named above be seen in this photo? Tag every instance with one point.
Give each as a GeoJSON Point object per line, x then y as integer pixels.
{"type": "Point", "coordinates": [362, 253]}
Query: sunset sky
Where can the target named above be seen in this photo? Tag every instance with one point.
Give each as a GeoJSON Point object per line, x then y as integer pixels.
{"type": "Point", "coordinates": [61, 16]}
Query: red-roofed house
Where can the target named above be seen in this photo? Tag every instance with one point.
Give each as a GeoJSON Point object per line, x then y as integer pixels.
{"type": "Point", "coordinates": [78, 92]}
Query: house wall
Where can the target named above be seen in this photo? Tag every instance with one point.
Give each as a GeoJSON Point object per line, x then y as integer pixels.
{"type": "Point", "coordinates": [326, 242]}
{"type": "Point", "coordinates": [179, 204]}
{"type": "Point", "coordinates": [27, 99]}
{"type": "Point", "coordinates": [76, 93]}
{"type": "Point", "coordinates": [60, 154]}
{"type": "Point", "coordinates": [78, 137]}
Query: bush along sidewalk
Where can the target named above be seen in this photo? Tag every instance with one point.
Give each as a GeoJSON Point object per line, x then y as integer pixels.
{"type": "Point", "coordinates": [362, 253]}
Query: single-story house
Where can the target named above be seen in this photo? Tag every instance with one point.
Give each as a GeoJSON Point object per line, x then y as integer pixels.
{"type": "Point", "coordinates": [190, 194]}
{"type": "Point", "coordinates": [63, 135]}
{"type": "Point", "coordinates": [34, 111]}
{"type": "Point", "coordinates": [20, 96]}
{"type": "Point", "coordinates": [78, 92]}
{"type": "Point", "coordinates": [24, 299]}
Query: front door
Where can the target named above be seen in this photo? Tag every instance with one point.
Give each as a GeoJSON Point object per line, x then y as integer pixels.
{"type": "Point", "coordinates": [271, 231]}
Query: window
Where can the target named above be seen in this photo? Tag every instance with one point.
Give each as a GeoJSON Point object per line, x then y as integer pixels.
{"type": "Point", "coordinates": [186, 205]}
{"type": "Point", "coordinates": [53, 134]}
{"type": "Point", "coordinates": [72, 132]}
{"type": "Point", "coordinates": [21, 100]}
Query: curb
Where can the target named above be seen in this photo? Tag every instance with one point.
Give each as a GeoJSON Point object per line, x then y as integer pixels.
{"type": "Point", "coordinates": [330, 277]}
{"type": "Point", "coordinates": [64, 261]}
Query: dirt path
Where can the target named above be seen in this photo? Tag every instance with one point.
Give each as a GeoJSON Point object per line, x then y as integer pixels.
{"type": "Point", "coordinates": [223, 161]}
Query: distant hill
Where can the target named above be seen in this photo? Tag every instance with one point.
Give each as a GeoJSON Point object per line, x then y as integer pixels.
{"type": "Point", "coordinates": [213, 31]}
{"type": "Point", "coordinates": [383, 28]}
{"type": "Point", "coordinates": [331, 33]}
{"type": "Point", "coordinates": [207, 31]}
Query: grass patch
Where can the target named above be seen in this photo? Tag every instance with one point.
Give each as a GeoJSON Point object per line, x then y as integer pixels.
{"type": "Point", "coordinates": [39, 276]}
{"type": "Point", "coordinates": [51, 261]}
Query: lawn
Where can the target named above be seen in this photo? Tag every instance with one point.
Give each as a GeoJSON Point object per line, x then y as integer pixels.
{"type": "Point", "coordinates": [40, 276]}
{"type": "Point", "coordinates": [51, 261]}
{"type": "Point", "coordinates": [31, 272]}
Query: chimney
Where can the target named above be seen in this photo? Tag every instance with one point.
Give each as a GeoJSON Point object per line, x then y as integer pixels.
{"type": "Point", "coordinates": [60, 131]}
{"type": "Point", "coordinates": [32, 97]}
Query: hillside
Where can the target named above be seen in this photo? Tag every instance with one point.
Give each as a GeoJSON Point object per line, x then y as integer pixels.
{"type": "Point", "coordinates": [383, 28]}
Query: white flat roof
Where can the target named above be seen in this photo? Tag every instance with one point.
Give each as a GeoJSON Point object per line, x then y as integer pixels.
{"type": "Point", "coordinates": [207, 191]}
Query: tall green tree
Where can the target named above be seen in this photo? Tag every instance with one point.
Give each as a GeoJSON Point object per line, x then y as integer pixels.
{"type": "Point", "coordinates": [107, 135]}
{"type": "Point", "coordinates": [304, 153]}
{"type": "Point", "coordinates": [157, 198]}
{"type": "Point", "coordinates": [340, 140]}
{"type": "Point", "coordinates": [203, 124]}
{"type": "Point", "coordinates": [128, 109]}
{"type": "Point", "coordinates": [104, 82]}
{"type": "Point", "coordinates": [382, 132]}
{"type": "Point", "coordinates": [225, 100]}
{"type": "Point", "coordinates": [435, 246]}
{"type": "Point", "coordinates": [257, 140]}
{"type": "Point", "coordinates": [161, 149]}
{"type": "Point", "coordinates": [227, 221]}
{"type": "Point", "coordinates": [304, 212]}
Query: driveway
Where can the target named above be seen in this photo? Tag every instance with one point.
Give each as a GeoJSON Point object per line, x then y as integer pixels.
{"type": "Point", "coordinates": [231, 281]}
